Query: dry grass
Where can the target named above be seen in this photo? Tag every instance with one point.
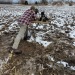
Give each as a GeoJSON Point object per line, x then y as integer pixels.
{"type": "Point", "coordinates": [58, 3]}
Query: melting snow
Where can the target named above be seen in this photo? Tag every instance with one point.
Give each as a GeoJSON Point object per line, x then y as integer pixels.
{"type": "Point", "coordinates": [39, 27]}
{"type": "Point", "coordinates": [39, 36]}
{"type": "Point", "coordinates": [34, 24]}
{"type": "Point", "coordinates": [39, 40]}
{"type": "Point", "coordinates": [50, 57]}
{"type": "Point", "coordinates": [59, 22]}
{"type": "Point", "coordinates": [2, 26]}
{"type": "Point", "coordinates": [66, 64]}
{"type": "Point", "coordinates": [59, 18]}
{"type": "Point", "coordinates": [72, 67]}
{"type": "Point", "coordinates": [62, 62]}
{"type": "Point", "coordinates": [72, 34]}
{"type": "Point", "coordinates": [74, 43]}
{"type": "Point", "coordinates": [31, 39]}
{"type": "Point", "coordinates": [13, 26]}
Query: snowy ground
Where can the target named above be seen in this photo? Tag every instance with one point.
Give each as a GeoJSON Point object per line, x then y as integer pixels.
{"type": "Point", "coordinates": [61, 27]}
{"type": "Point", "coordinates": [61, 18]}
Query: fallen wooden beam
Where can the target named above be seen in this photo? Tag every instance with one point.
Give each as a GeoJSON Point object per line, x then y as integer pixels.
{"type": "Point", "coordinates": [41, 22]}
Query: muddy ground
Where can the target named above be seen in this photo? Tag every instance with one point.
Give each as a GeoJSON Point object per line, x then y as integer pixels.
{"type": "Point", "coordinates": [35, 59]}
{"type": "Point", "coordinates": [58, 58]}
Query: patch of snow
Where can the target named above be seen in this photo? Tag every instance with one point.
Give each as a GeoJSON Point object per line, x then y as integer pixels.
{"type": "Point", "coordinates": [62, 31]}
{"type": "Point", "coordinates": [13, 26]}
{"type": "Point", "coordinates": [14, 23]}
{"type": "Point", "coordinates": [72, 34]}
{"type": "Point", "coordinates": [10, 27]}
{"type": "Point", "coordinates": [72, 67]}
{"type": "Point", "coordinates": [59, 22]}
{"type": "Point", "coordinates": [50, 65]}
{"type": "Point", "coordinates": [7, 31]}
{"type": "Point", "coordinates": [39, 27]}
{"type": "Point", "coordinates": [62, 62]}
{"type": "Point", "coordinates": [71, 27]}
{"type": "Point", "coordinates": [74, 43]}
{"type": "Point", "coordinates": [34, 25]}
{"type": "Point", "coordinates": [45, 43]}
{"type": "Point", "coordinates": [32, 74]}
{"type": "Point", "coordinates": [66, 64]}
{"type": "Point", "coordinates": [40, 41]}
{"type": "Point", "coordinates": [2, 26]}
{"type": "Point", "coordinates": [50, 57]}
{"type": "Point", "coordinates": [31, 39]}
